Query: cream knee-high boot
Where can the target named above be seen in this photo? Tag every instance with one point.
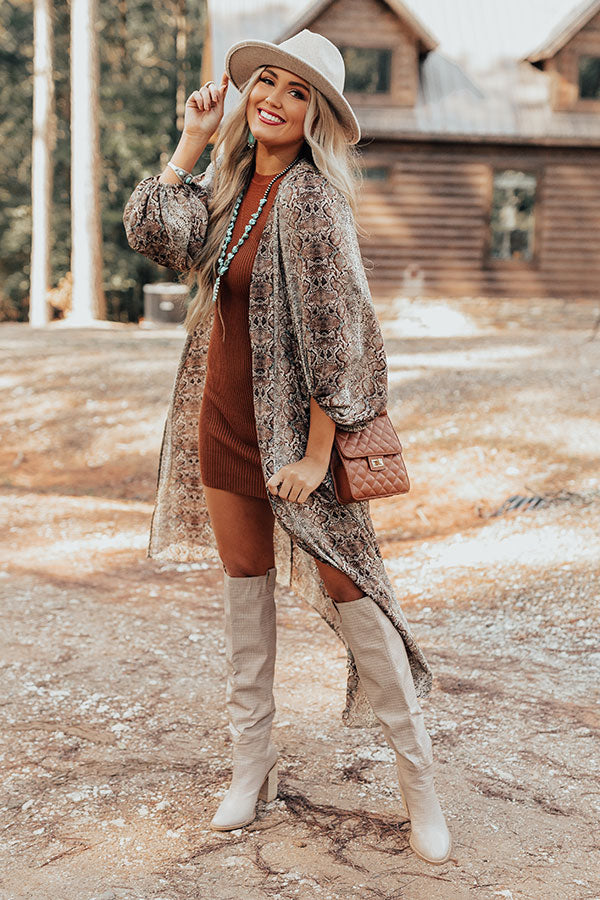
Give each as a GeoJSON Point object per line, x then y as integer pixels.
{"type": "Point", "coordinates": [250, 649]}
{"type": "Point", "coordinates": [383, 668]}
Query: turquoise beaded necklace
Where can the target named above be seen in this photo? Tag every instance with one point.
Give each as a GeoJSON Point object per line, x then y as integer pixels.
{"type": "Point", "coordinates": [225, 258]}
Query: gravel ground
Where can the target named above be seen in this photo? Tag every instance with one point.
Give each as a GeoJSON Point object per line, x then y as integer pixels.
{"type": "Point", "coordinates": [113, 746]}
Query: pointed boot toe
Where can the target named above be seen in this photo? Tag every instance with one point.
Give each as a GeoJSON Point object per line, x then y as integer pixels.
{"type": "Point", "coordinates": [431, 842]}
{"type": "Point", "coordinates": [433, 845]}
{"type": "Point", "coordinates": [430, 837]}
{"type": "Point", "coordinates": [238, 806]}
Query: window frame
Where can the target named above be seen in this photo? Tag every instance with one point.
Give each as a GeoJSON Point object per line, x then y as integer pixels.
{"type": "Point", "coordinates": [368, 179]}
{"type": "Point", "coordinates": [580, 99]}
{"type": "Point", "coordinates": [375, 94]}
{"type": "Point", "coordinates": [537, 170]}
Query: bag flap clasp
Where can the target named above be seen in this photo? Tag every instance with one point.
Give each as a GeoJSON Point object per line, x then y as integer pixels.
{"type": "Point", "coordinates": [377, 439]}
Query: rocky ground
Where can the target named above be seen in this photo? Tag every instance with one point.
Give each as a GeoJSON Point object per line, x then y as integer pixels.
{"type": "Point", "coordinates": [113, 746]}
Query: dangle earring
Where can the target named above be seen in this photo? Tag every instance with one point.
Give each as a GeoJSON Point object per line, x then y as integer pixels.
{"type": "Point", "coordinates": [251, 139]}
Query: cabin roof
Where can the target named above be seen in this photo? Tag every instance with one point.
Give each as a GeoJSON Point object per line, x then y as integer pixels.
{"type": "Point", "coordinates": [404, 13]}
{"type": "Point", "coordinates": [566, 29]}
{"type": "Point", "coordinates": [478, 84]}
{"type": "Point", "coordinates": [508, 103]}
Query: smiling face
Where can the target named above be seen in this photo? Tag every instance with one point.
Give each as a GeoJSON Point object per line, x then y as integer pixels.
{"type": "Point", "coordinates": [277, 106]}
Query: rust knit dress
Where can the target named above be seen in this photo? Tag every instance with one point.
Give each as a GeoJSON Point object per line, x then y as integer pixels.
{"type": "Point", "coordinates": [228, 443]}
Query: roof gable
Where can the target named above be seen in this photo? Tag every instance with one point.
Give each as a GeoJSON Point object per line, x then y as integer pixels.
{"type": "Point", "coordinates": [474, 87]}
{"type": "Point", "coordinates": [308, 16]}
{"type": "Point", "coordinates": [565, 31]}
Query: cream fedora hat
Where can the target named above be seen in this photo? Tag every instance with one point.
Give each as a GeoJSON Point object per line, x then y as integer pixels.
{"type": "Point", "coordinates": [307, 54]}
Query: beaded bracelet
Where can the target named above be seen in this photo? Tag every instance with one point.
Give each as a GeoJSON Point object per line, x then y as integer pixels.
{"type": "Point", "coordinates": [181, 173]}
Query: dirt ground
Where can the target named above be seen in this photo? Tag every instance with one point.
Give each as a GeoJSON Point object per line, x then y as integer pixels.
{"type": "Point", "coordinates": [113, 746]}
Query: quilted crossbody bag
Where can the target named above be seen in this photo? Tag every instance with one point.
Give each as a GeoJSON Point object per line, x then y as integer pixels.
{"type": "Point", "coordinates": [368, 464]}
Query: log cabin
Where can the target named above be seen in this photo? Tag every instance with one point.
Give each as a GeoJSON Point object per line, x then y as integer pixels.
{"type": "Point", "coordinates": [481, 183]}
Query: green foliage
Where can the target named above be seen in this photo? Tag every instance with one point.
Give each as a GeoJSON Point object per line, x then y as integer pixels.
{"type": "Point", "coordinates": [16, 56]}
{"type": "Point", "coordinates": [139, 71]}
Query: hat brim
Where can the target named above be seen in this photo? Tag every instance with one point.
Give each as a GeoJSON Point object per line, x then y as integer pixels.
{"type": "Point", "coordinates": [244, 57]}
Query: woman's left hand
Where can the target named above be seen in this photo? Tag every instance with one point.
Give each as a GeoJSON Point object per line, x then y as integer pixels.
{"type": "Point", "coordinates": [298, 479]}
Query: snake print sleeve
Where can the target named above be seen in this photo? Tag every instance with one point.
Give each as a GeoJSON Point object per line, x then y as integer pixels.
{"type": "Point", "coordinates": [339, 338]}
{"type": "Point", "coordinates": [168, 222]}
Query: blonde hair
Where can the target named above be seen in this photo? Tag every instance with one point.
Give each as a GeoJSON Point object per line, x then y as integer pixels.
{"type": "Point", "coordinates": [325, 144]}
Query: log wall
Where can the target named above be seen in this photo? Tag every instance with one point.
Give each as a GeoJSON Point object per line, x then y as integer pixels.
{"type": "Point", "coordinates": [429, 221]}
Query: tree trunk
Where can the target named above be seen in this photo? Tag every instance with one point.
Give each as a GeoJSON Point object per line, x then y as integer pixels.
{"type": "Point", "coordinates": [86, 254]}
{"type": "Point", "coordinates": [43, 144]}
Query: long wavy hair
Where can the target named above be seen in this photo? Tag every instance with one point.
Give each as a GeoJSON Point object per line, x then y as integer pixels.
{"type": "Point", "coordinates": [325, 145]}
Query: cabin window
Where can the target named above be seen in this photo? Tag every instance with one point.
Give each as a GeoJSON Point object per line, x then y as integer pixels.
{"type": "Point", "coordinates": [513, 216]}
{"type": "Point", "coordinates": [589, 77]}
{"type": "Point", "coordinates": [376, 173]}
{"type": "Point", "coordinates": [368, 70]}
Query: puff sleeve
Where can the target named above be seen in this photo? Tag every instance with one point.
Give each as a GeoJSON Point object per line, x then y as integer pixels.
{"type": "Point", "coordinates": [339, 339]}
{"type": "Point", "coordinates": [168, 222]}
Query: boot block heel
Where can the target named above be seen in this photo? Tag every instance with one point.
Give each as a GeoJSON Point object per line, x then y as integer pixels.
{"type": "Point", "coordinates": [268, 790]}
{"type": "Point", "coordinates": [404, 803]}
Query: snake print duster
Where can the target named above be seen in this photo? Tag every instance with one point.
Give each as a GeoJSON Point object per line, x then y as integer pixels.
{"type": "Point", "coordinates": [313, 332]}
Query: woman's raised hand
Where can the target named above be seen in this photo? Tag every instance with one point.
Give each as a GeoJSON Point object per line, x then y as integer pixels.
{"type": "Point", "coordinates": [204, 109]}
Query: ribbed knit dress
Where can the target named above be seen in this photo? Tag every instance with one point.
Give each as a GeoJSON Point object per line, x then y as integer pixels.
{"type": "Point", "coordinates": [228, 442]}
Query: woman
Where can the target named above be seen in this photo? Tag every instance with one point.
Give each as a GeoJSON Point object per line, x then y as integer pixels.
{"type": "Point", "coordinates": [268, 235]}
